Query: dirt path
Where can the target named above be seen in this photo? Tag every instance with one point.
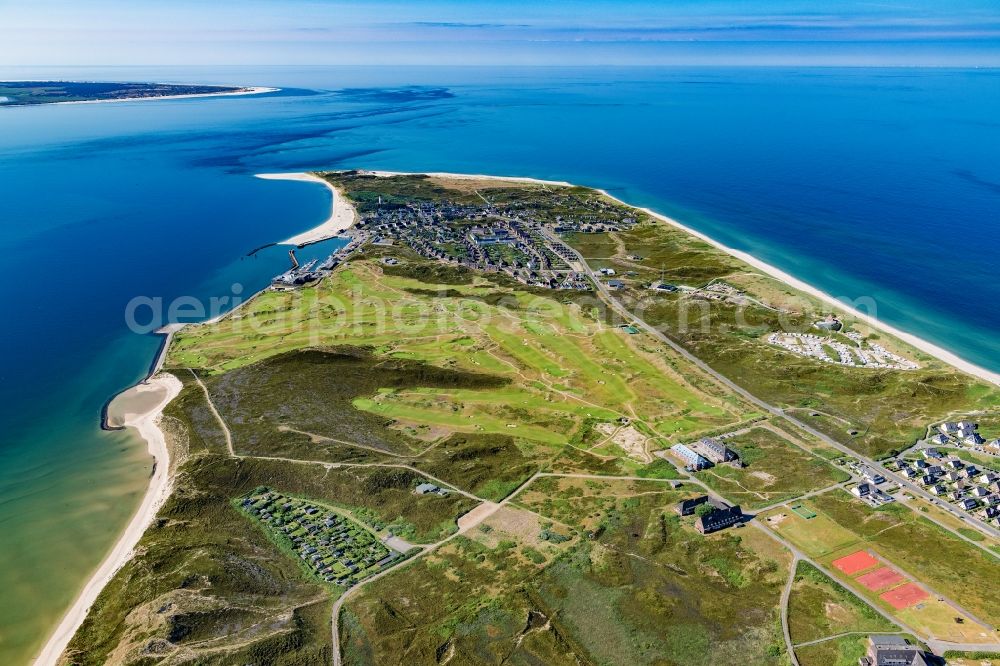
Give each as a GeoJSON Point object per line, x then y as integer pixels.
{"type": "Point", "coordinates": [215, 412]}
{"type": "Point", "coordinates": [833, 637]}
{"type": "Point", "coordinates": [323, 438]}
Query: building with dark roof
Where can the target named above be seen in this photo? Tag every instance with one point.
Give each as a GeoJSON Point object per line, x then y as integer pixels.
{"type": "Point", "coordinates": [687, 507]}
{"type": "Point", "coordinates": [892, 651]}
{"type": "Point", "coordinates": [714, 450]}
{"type": "Point", "coordinates": [721, 517]}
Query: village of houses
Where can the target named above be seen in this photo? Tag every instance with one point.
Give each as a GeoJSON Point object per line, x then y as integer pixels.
{"type": "Point", "coordinates": [332, 546]}
{"type": "Point", "coordinates": [522, 242]}
{"type": "Point", "coordinates": [965, 485]}
{"type": "Point", "coordinates": [508, 239]}
{"type": "Point", "coordinates": [961, 483]}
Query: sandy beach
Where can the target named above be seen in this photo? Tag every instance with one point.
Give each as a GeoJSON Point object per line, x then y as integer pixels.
{"type": "Point", "coordinates": [254, 90]}
{"type": "Point", "coordinates": [929, 348]}
{"type": "Point", "coordinates": [139, 407]}
{"type": "Point", "coordinates": [342, 213]}
{"type": "Point", "coordinates": [919, 343]}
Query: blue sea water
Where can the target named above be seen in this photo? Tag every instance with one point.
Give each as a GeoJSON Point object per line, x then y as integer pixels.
{"type": "Point", "coordinates": [863, 182]}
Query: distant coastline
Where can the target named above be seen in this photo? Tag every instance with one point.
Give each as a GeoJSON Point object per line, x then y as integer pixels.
{"type": "Point", "coordinates": [21, 93]}
{"type": "Point", "coordinates": [236, 93]}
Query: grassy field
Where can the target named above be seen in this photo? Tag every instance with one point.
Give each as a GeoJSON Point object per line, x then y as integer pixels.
{"type": "Point", "coordinates": [639, 587]}
{"type": "Point", "coordinates": [845, 651]}
{"type": "Point", "coordinates": [816, 537]}
{"type": "Point", "coordinates": [647, 589]}
{"type": "Point", "coordinates": [465, 602]}
{"type": "Point", "coordinates": [950, 521]}
{"type": "Point", "coordinates": [585, 502]}
{"type": "Point", "coordinates": [775, 470]}
{"type": "Point", "coordinates": [898, 533]}
{"type": "Point", "coordinates": [955, 658]}
{"type": "Point", "coordinates": [493, 361]}
{"type": "Point", "coordinates": [889, 409]}
{"type": "Point", "coordinates": [819, 607]}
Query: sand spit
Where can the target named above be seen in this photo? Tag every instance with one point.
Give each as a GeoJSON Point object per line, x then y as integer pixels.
{"type": "Point", "coordinates": [342, 213]}
{"type": "Point", "coordinates": [255, 90]}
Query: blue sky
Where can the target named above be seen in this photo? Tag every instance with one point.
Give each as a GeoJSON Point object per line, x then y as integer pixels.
{"type": "Point", "coordinates": [515, 32]}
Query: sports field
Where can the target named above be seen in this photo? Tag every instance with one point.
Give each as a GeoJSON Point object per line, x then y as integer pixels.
{"type": "Point", "coordinates": [903, 537]}
{"type": "Point", "coordinates": [880, 578]}
{"type": "Point", "coordinates": [855, 562]}
{"type": "Point", "coordinates": [882, 555]}
{"type": "Point", "coordinates": [808, 514]}
{"type": "Point", "coordinates": [904, 596]}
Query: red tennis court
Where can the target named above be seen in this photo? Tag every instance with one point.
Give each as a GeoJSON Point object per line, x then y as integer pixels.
{"type": "Point", "coordinates": [880, 578]}
{"type": "Point", "coordinates": [855, 562]}
{"type": "Point", "coordinates": [904, 596]}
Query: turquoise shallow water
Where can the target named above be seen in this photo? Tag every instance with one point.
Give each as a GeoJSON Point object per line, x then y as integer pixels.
{"type": "Point", "coordinates": [866, 183]}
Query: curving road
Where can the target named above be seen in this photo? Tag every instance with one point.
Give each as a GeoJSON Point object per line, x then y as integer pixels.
{"type": "Point", "coordinates": [616, 305]}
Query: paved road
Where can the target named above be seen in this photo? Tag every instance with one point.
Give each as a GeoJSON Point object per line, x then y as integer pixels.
{"type": "Point", "coordinates": [785, 594]}
{"type": "Point", "coordinates": [615, 305]}
{"type": "Point", "coordinates": [613, 302]}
